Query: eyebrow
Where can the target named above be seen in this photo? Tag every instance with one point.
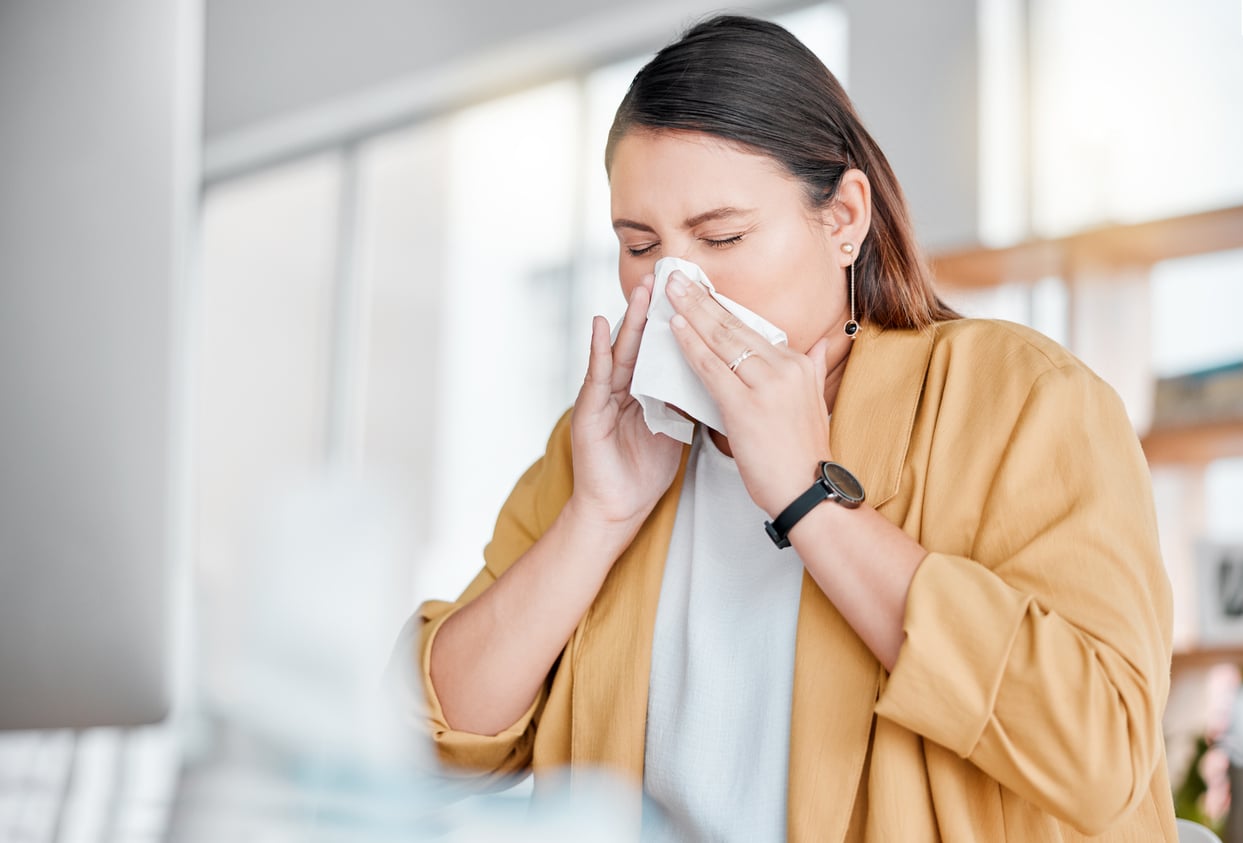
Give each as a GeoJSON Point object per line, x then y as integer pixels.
{"type": "Point", "coordinates": [690, 222]}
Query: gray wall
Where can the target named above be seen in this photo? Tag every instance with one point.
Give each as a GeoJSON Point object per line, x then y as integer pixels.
{"type": "Point", "coordinates": [97, 178]}
{"type": "Point", "coordinates": [914, 77]}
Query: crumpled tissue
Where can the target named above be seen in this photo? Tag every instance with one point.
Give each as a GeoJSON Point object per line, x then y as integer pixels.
{"type": "Point", "coordinates": [662, 377]}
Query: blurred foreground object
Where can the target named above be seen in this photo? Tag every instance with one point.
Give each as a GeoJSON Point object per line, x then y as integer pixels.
{"type": "Point", "coordinates": [1189, 832]}
{"type": "Point", "coordinates": [305, 742]}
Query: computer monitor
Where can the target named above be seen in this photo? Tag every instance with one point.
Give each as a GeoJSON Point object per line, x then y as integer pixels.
{"type": "Point", "coordinates": [97, 160]}
{"type": "Point", "coordinates": [85, 511]}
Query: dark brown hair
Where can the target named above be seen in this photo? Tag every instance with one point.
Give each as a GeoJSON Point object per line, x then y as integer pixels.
{"type": "Point", "coordinates": [753, 83]}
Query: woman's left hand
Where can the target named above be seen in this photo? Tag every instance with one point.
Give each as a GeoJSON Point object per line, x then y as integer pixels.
{"type": "Point", "coordinates": [772, 403]}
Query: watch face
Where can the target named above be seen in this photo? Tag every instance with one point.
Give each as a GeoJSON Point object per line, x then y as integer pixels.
{"type": "Point", "coordinates": [842, 482]}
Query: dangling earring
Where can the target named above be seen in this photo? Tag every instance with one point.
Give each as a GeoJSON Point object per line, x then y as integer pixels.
{"type": "Point", "coordinates": [852, 326]}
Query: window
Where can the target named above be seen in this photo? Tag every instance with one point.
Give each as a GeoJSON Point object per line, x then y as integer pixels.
{"type": "Point", "coordinates": [1140, 124]}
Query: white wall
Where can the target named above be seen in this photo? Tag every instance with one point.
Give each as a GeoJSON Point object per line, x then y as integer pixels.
{"type": "Point", "coordinates": [97, 178]}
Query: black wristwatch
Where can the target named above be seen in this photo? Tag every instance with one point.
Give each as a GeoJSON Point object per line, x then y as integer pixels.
{"type": "Point", "coordinates": [834, 483]}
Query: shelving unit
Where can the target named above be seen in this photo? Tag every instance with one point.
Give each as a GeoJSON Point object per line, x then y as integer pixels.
{"type": "Point", "coordinates": [1115, 246]}
{"type": "Point", "coordinates": [1119, 248]}
{"type": "Point", "coordinates": [1123, 251]}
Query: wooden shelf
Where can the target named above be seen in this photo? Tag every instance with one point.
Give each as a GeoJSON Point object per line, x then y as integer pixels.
{"type": "Point", "coordinates": [1207, 656]}
{"type": "Point", "coordinates": [1115, 246]}
{"type": "Point", "coordinates": [1195, 443]}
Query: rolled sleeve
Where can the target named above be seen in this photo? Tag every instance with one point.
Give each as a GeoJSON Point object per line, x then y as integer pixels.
{"type": "Point", "coordinates": [535, 500]}
{"type": "Point", "coordinates": [945, 682]}
{"type": "Point", "coordinates": [508, 752]}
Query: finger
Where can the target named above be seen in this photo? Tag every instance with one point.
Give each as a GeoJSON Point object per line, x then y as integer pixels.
{"type": "Point", "coordinates": [596, 385]}
{"type": "Point", "coordinates": [715, 375]}
{"type": "Point", "coordinates": [629, 337]}
{"type": "Point", "coordinates": [723, 332]}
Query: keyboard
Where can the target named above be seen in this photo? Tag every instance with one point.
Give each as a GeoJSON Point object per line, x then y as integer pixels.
{"type": "Point", "coordinates": [87, 786]}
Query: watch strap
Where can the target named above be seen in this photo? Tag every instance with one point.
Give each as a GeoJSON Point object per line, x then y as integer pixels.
{"type": "Point", "coordinates": [779, 528]}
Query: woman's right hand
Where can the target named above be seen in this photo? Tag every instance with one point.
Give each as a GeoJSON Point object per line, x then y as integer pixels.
{"type": "Point", "coordinates": [621, 468]}
{"type": "Point", "coordinates": [490, 659]}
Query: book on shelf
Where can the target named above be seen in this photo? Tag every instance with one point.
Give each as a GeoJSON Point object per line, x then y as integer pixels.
{"type": "Point", "coordinates": [1208, 395]}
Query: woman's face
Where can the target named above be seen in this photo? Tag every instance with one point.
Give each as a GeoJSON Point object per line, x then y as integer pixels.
{"type": "Point", "coordinates": [738, 215]}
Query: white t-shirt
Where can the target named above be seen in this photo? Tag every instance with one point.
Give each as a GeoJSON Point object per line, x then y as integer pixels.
{"type": "Point", "coordinates": [718, 709]}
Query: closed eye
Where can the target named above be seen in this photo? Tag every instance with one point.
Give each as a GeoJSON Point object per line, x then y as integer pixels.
{"type": "Point", "coordinates": [721, 244]}
{"type": "Point", "coordinates": [639, 251]}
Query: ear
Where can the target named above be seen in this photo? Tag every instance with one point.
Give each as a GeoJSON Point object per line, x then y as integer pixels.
{"type": "Point", "coordinates": [848, 216]}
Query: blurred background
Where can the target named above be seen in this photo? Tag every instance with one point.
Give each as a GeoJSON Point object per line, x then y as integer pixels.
{"type": "Point", "coordinates": [292, 292]}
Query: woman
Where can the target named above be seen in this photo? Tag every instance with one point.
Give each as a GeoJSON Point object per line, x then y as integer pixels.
{"type": "Point", "coordinates": [977, 652]}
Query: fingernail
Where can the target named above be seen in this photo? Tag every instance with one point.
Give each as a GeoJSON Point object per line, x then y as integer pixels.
{"type": "Point", "coordinates": [676, 286]}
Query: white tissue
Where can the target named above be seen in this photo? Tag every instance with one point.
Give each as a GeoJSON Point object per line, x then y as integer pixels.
{"type": "Point", "coordinates": [661, 374]}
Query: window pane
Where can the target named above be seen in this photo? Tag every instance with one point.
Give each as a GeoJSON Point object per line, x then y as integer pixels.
{"type": "Point", "coordinates": [403, 188]}
{"type": "Point", "coordinates": [261, 367]}
{"type": "Point", "coordinates": [506, 286]}
{"type": "Point", "coordinates": [1135, 110]}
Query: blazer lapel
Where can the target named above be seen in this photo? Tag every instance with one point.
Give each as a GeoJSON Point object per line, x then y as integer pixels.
{"type": "Point", "coordinates": [836, 678]}
{"type": "Point", "coordinates": [875, 412]}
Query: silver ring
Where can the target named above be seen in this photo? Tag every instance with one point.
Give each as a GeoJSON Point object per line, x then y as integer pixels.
{"type": "Point", "coordinates": [737, 361]}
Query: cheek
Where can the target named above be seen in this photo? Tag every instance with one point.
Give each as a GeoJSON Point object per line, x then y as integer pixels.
{"type": "Point", "coordinates": [630, 272]}
{"type": "Point", "coordinates": [797, 295]}
{"type": "Point", "coordinates": [810, 312]}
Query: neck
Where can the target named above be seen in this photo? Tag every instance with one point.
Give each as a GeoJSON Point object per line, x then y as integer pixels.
{"type": "Point", "coordinates": [837, 368]}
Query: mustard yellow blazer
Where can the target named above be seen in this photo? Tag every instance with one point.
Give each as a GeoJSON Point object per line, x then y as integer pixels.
{"type": "Point", "coordinates": [1027, 700]}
